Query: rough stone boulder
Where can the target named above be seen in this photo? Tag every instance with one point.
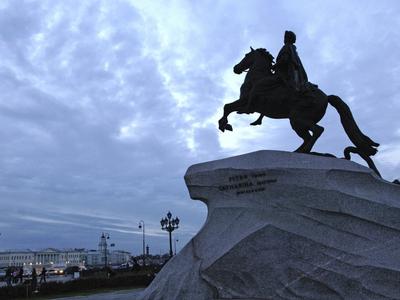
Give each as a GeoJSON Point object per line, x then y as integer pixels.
{"type": "Point", "coordinates": [285, 225]}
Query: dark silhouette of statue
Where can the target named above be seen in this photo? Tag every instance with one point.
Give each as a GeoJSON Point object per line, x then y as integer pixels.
{"type": "Point", "coordinates": [287, 94]}
{"type": "Point", "coordinates": [288, 64]}
{"type": "Point", "coordinates": [255, 74]}
{"type": "Point", "coordinates": [289, 71]}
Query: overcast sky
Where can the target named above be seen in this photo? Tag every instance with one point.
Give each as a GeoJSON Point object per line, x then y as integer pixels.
{"type": "Point", "coordinates": [105, 104]}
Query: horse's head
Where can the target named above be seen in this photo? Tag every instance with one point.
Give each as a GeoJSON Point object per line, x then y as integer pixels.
{"type": "Point", "coordinates": [258, 57]}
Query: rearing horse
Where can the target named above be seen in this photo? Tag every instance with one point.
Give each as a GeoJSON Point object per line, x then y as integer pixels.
{"type": "Point", "coordinates": [268, 95]}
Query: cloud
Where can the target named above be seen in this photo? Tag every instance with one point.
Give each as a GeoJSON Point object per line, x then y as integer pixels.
{"type": "Point", "coordinates": [105, 105]}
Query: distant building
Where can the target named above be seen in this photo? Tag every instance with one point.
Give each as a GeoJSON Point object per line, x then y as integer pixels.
{"type": "Point", "coordinates": [102, 255]}
{"type": "Point", "coordinates": [17, 258]}
{"type": "Point", "coordinates": [93, 258]}
{"type": "Point", "coordinates": [48, 258]}
{"type": "Point", "coordinates": [51, 257]}
{"type": "Point", "coordinates": [119, 257]}
{"type": "Point", "coordinates": [151, 259]}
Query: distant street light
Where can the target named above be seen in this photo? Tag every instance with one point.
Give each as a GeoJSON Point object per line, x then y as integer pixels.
{"type": "Point", "coordinates": [104, 238]}
{"type": "Point", "coordinates": [142, 226]}
{"type": "Point", "coordinates": [175, 241]}
{"type": "Point", "coordinates": [169, 225]}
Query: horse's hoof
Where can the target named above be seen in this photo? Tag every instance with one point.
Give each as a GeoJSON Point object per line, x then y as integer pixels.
{"type": "Point", "coordinates": [300, 150]}
{"type": "Point", "coordinates": [223, 125]}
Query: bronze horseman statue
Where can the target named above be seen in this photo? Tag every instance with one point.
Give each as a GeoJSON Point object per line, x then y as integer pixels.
{"type": "Point", "coordinates": [282, 90]}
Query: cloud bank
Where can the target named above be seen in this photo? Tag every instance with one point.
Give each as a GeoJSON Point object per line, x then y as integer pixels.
{"type": "Point", "coordinates": [106, 104]}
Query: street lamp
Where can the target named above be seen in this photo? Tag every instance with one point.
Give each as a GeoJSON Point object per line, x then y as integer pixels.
{"type": "Point", "coordinates": [169, 225]}
{"type": "Point", "coordinates": [142, 226]}
{"type": "Point", "coordinates": [104, 238]}
{"type": "Point", "coordinates": [175, 241]}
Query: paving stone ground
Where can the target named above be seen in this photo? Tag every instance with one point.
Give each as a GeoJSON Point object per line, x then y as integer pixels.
{"type": "Point", "coordinates": [117, 295]}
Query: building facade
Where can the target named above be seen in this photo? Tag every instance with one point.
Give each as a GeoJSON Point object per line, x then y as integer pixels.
{"type": "Point", "coordinates": [44, 258]}
{"type": "Point", "coordinates": [51, 257]}
{"type": "Point", "coordinates": [103, 256]}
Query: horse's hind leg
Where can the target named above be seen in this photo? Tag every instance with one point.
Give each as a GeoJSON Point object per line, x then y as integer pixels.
{"type": "Point", "coordinates": [303, 133]}
{"type": "Point", "coordinates": [258, 121]}
{"type": "Point", "coordinates": [303, 128]}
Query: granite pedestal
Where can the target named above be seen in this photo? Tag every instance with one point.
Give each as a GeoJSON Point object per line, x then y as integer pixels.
{"type": "Point", "coordinates": [286, 225]}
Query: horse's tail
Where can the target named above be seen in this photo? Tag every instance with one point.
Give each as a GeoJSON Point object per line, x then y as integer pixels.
{"type": "Point", "coordinates": [361, 141]}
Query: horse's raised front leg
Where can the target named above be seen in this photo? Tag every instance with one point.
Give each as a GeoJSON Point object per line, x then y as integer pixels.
{"type": "Point", "coordinates": [229, 108]}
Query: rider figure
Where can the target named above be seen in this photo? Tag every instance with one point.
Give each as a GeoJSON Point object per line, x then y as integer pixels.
{"type": "Point", "coordinates": [288, 65]}
{"type": "Point", "coordinates": [288, 69]}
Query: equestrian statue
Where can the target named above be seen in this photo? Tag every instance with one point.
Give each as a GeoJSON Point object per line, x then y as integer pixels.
{"type": "Point", "coordinates": [281, 90]}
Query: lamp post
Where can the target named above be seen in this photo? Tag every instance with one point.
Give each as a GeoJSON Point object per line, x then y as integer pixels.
{"type": "Point", "coordinates": [142, 226]}
{"type": "Point", "coordinates": [169, 224]}
{"type": "Point", "coordinates": [104, 238]}
{"type": "Point", "coordinates": [175, 241]}
{"type": "Point", "coordinates": [103, 244]}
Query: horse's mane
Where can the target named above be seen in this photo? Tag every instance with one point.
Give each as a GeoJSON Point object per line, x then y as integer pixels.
{"type": "Point", "coordinates": [267, 55]}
